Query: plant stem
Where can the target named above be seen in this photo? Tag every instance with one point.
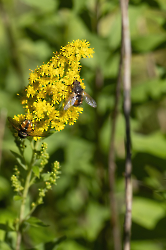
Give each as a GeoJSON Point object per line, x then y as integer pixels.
{"type": "Point", "coordinates": [22, 208]}
{"type": "Point", "coordinates": [111, 162]}
{"type": "Point", "coordinates": [24, 197]}
{"type": "Point", "coordinates": [127, 109]}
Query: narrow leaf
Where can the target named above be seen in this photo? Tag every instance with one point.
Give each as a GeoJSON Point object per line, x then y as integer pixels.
{"type": "Point", "coordinates": [15, 154]}
{"type": "Point", "coordinates": [35, 222]}
{"type": "Point", "coordinates": [5, 227]}
{"type": "Point", "coordinates": [19, 159]}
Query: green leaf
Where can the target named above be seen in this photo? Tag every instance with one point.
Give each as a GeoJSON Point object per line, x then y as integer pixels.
{"type": "Point", "coordinates": [146, 212]}
{"type": "Point", "coordinates": [5, 227]}
{"type": "Point", "coordinates": [21, 163]}
{"type": "Point", "coordinates": [35, 222]}
{"type": "Point", "coordinates": [15, 154]}
{"type": "Point", "coordinates": [145, 244]}
{"type": "Point", "coordinates": [46, 176]}
{"type": "Point", "coordinates": [19, 159]}
{"type": "Point", "coordinates": [36, 171]}
{"type": "Point", "coordinates": [4, 246]}
{"type": "Point", "coordinates": [92, 226]}
{"type": "Point", "coordinates": [51, 244]}
{"type": "Point", "coordinates": [42, 4]}
{"type": "Point", "coordinates": [153, 144]}
{"type": "Point", "coordinates": [151, 88]}
{"type": "Point", "coordinates": [147, 43]}
{"type": "Point", "coordinates": [72, 245]}
{"type": "Point", "coordinates": [17, 198]}
{"type": "Point", "coordinates": [82, 155]}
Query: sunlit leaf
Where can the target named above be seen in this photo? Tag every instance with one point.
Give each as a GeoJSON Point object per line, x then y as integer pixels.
{"type": "Point", "coordinates": [147, 212]}
{"type": "Point", "coordinates": [50, 5]}
{"type": "Point", "coordinates": [4, 246]}
{"type": "Point", "coordinates": [36, 171]}
{"type": "Point", "coordinates": [145, 244]}
{"type": "Point", "coordinates": [153, 144]}
{"type": "Point", "coordinates": [92, 226]}
{"type": "Point", "coordinates": [72, 245]}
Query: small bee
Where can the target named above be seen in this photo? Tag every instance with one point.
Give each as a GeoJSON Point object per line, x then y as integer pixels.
{"type": "Point", "coordinates": [25, 129]}
{"type": "Point", "coordinates": [77, 96]}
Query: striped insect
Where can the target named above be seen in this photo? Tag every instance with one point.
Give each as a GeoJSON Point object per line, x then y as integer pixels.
{"type": "Point", "coordinates": [25, 129]}
{"type": "Point", "coordinates": [77, 97]}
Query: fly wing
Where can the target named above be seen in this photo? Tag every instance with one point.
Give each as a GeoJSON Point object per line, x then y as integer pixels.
{"type": "Point", "coordinates": [34, 133]}
{"type": "Point", "coordinates": [70, 101]}
{"type": "Point", "coordinates": [14, 123]}
{"type": "Point", "coordinates": [89, 100]}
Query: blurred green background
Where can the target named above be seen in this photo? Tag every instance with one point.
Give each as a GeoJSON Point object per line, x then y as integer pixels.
{"type": "Point", "coordinates": [78, 207]}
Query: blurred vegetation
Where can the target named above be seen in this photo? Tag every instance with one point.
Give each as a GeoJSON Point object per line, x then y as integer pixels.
{"type": "Point", "coordinates": [78, 206]}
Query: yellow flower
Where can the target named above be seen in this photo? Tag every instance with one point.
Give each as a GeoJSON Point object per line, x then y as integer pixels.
{"type": "Point", "coordinates": [49, 87]}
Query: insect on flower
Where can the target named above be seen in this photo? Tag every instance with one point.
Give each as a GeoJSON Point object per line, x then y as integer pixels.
{"type": "Point", "coordinates": [25, 129]}
{"type": "Point", "coordinates": [77, 96]}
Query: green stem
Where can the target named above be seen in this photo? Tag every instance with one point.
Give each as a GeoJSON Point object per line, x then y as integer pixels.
{"type": "Point", "coordinates": [22, 208]}
{"type": "Point", "coordinates": [24, 197]}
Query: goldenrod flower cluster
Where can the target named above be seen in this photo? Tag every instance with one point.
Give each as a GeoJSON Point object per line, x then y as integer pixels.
{"type": "Point", "coordinates": [49, 87]}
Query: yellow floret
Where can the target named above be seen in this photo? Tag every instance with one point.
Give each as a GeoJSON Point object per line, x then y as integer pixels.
{"type": "Point", "coordinates": [51, 84]}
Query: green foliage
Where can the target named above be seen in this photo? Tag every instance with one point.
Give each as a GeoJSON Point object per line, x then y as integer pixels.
{"type": "Point", "coordinates": [22, 182]}
{"type": "Point", "coordinates": [78, 206]}
{"type": "Point", "coordinates": [35, 222]}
